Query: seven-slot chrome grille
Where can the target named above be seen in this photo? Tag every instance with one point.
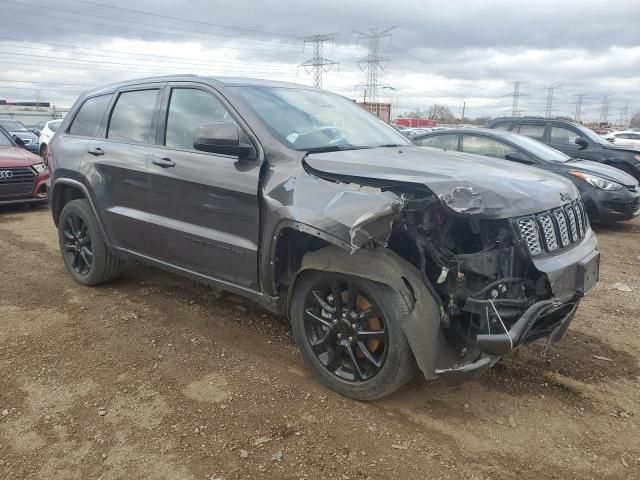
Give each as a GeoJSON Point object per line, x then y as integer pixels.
{"type": "Point", "coordinates": [549, 231]}
{"type": "Point", "coordinates": [16, 181]}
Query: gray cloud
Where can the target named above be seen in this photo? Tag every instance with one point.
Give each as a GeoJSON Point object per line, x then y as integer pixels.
{"type": "Point", "coordinates": [445, 52]}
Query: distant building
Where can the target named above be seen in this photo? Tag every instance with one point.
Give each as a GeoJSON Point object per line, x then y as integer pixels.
{"type": "Point", "coordinates": [30, 113]}
{"type": "Point", "coordinates": [381, 110]}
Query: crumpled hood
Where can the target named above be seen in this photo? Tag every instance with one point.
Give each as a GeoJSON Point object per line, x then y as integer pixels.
{"type": "Point", "coordinates": [17, 157]}
{"type": "Point", "coordinates": [467, 184]}
{"type": "Point", "coordinates": [600, 169]}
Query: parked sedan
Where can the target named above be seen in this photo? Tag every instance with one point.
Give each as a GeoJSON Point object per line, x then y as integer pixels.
{"type": "Point", "coordinates": [625, 139]}
{"type": "Point", "coordinates": [23, 176]}
{"type": "Point", "coordinates": [45, 135]}
{"type": "Point", "coordinates": [21, 134]}
{"type": "Point", "coordinates": [609, 193]}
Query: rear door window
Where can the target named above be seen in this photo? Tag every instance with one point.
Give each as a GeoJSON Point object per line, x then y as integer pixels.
{"type": "Point", "coordinates": [132, 116]}
{"type": "Point", "coordinates": [563, 136]}
{"type": "Point", "coordinates": [531, 131]}
{"type": "Point", "coordinates": [447, 142]}
{"type": "Point", "coordinates": [485, 146]}
{"type": "Point", "coordinates": [89, 116]}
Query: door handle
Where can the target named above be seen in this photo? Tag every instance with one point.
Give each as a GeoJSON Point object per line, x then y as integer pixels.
{"type": "Point", "coordinates": [164, 162]}
{"type": "Point", "coordinates": [96, 152]}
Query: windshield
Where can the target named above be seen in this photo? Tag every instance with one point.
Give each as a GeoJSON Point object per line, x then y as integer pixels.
{"type": "Point", "coordinates": [13, 126]}
{"type": "Point", "coordinates": [538, 149]}
{"type": "Point", "coordinates": [593, 136]}
{"type": "Point", "coordinates": [4, 140]}
{"type": "Point", "coordinates": [314, 120]}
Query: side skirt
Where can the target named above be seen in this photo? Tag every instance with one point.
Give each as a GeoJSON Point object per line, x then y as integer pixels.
{"type": "Point", "coordinates": [271, 303]}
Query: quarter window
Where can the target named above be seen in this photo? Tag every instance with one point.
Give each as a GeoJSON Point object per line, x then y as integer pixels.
{"type": "Point", "coordinates": [132, 116]}
{"type": "Point", "coordinates": [89, 116]}
{"type": "Point", "coordinates": [532, 131]}
{"type": "Point", "coordinates": [190, 108]}
{"type": "Point", "coordinates": [446, 142]}
{"type": "Point", "coordinates": [563, 136]}
{"type": "Point", "coordinates": [485, 146]}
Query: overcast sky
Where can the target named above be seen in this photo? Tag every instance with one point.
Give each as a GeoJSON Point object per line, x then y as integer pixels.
{"type": "Point", "coordinates": [439, 52]}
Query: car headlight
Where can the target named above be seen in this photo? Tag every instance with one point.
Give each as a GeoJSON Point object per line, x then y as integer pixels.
{"type": "Point", "coordinates": [40, 167]}
{"type": "Point", "coordinates": [598, 182]}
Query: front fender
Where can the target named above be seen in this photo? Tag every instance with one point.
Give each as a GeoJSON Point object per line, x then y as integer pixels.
{"type": "Point", "coordinates": [382, 265]}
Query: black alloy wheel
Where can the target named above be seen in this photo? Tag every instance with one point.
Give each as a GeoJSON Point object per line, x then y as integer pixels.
{"type": "Point", "coordinates": [346, 330]}
{"type": "Point", "coordinates": [349, 330]}
{"type": "Point", "coordinates": [78, 248]}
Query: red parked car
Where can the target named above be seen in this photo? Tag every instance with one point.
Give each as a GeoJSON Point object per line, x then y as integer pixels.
{"type": "Point", "coordinates": [22, 174]}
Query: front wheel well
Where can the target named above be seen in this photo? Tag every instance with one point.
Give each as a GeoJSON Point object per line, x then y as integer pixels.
{"type": "Point", "coordinates": [291, 247]}
{"type": "Point", "coordinates": [63, 194]}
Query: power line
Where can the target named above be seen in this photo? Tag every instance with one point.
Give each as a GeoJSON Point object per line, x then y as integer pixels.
{"type": "Point", "coordinates": [136, 23]}
{"type": "Point", "coordinates": [373, 62]}
{"type": "Point", "coordinates": [318, 64]}
{"type": "Point", "coordinates": [624, 115]}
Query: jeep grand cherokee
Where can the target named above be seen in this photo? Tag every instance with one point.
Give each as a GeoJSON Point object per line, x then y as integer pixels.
{"type": "Point", "coordinates": [386, 257]}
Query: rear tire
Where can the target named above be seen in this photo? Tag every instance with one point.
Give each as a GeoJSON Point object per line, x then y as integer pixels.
{"type": "Point", "coordinates": [355, 346]}
{"type": "Point", "coordinates": [84, 251]}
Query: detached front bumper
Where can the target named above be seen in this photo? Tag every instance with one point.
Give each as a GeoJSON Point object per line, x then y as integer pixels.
{"type": "Point", "coordinates": [571, 275]}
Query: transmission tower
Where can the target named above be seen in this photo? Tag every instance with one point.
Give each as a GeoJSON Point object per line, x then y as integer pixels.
{"type": "Point", "coordinates": [549, 110]}
{"type": "Point", "coordinates": [578, 116]}
{"type": "Point", "coordinates": [318, 64]}
{"type": "Point", "coordinates": [373, 62]}
{"type": "Point", "coordinates": [604, 111]}
{"type": "Point", "coordinates": [624, 115]}
{"type": "Point", "coordinates": [516, 97]}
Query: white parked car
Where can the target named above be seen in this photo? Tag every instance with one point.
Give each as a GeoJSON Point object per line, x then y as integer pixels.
{"type": "Point", "coordinates": [626, 139]}
{"type": "Point", "coordinates": [45, 135]}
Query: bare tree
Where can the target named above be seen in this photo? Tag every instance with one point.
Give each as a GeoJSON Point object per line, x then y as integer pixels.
{"type": "Point", "coordinates": [635, 120]}
{"type": "Point", "coordinates": [440, 113]}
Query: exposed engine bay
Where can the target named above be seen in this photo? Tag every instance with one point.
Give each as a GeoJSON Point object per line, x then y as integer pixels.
{"type": "Point", "coordinates": [477, 268]}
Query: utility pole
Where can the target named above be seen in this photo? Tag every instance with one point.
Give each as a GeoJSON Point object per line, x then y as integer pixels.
{"type": "Point", "coordinates": [318, 64]}
{"type": "Point", "coordinates": [578, 116]}
{"type": "Point", "coordinates": [373, 62]}
{"type": "Point", "coordinates": [464, 107]}
{"type": "Point", "coordinates": [549, 110]}
{"type": "Point", "coordinates": [516, 97]}
{"type": "Point", "coordinates": [604, 111]}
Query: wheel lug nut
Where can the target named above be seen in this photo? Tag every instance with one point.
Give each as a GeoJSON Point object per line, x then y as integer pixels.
{"type": "Point", "coordinates": [344, 315]}
{"type": "Point", "coordinates": [339, 336]}
{"type": "Point", "coordinates": [334, 321]}
{"type": "Point", "coordinates": [351, 339]}
{"type": "Point", "coordinates": [353, 326]}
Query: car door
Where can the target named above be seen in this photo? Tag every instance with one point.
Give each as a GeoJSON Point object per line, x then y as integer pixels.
{"type": "Point", "coordinates": [205, 209]}
{"type": "Point", "coordinates": [563, 138]}
{"type": "Point", "coordinates": [120, 159]}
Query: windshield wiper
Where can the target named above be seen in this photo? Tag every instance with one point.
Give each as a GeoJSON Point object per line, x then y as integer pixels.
{"type": "Point", "coordinates": [333, 148]}
{"type": "Point", "coordinates": [389, 145]}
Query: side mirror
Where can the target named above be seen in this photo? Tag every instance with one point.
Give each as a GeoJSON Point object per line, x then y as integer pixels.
{"type": "Point", "coordinates": [582, 143]}
{"type": "Point", "coordinates": [18, 141]}
{"type": "Point", "coordinates": [519, 157]}
{"type": "Point", "coordinates": [221, 137]}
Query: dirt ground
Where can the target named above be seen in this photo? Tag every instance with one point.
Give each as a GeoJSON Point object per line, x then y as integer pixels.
{"type": "Point", "coordinates": [157, 377]}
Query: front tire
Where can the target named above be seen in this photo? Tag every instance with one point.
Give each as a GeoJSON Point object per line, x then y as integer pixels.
{"type": "Point", "coordinates": [349, 331]}
{"type": "Point", "coordinates": [84, 251]}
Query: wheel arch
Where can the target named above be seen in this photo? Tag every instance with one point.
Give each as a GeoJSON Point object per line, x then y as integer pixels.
{"type": "Point", "coordinates": [386, 267]}
{"type": "Point", "coordinates": [63, 191]}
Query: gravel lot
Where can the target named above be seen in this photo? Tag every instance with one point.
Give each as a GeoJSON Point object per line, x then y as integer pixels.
{"type": "Point", "coordinates": [155, 376]}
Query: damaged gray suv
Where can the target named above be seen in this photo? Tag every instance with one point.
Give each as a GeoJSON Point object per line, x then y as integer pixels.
{"type": "Point", "coordinates": [387, 258]}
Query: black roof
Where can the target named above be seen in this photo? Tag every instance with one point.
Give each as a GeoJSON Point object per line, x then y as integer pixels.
{"type": "Point", "coordinates": [224, 81]}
